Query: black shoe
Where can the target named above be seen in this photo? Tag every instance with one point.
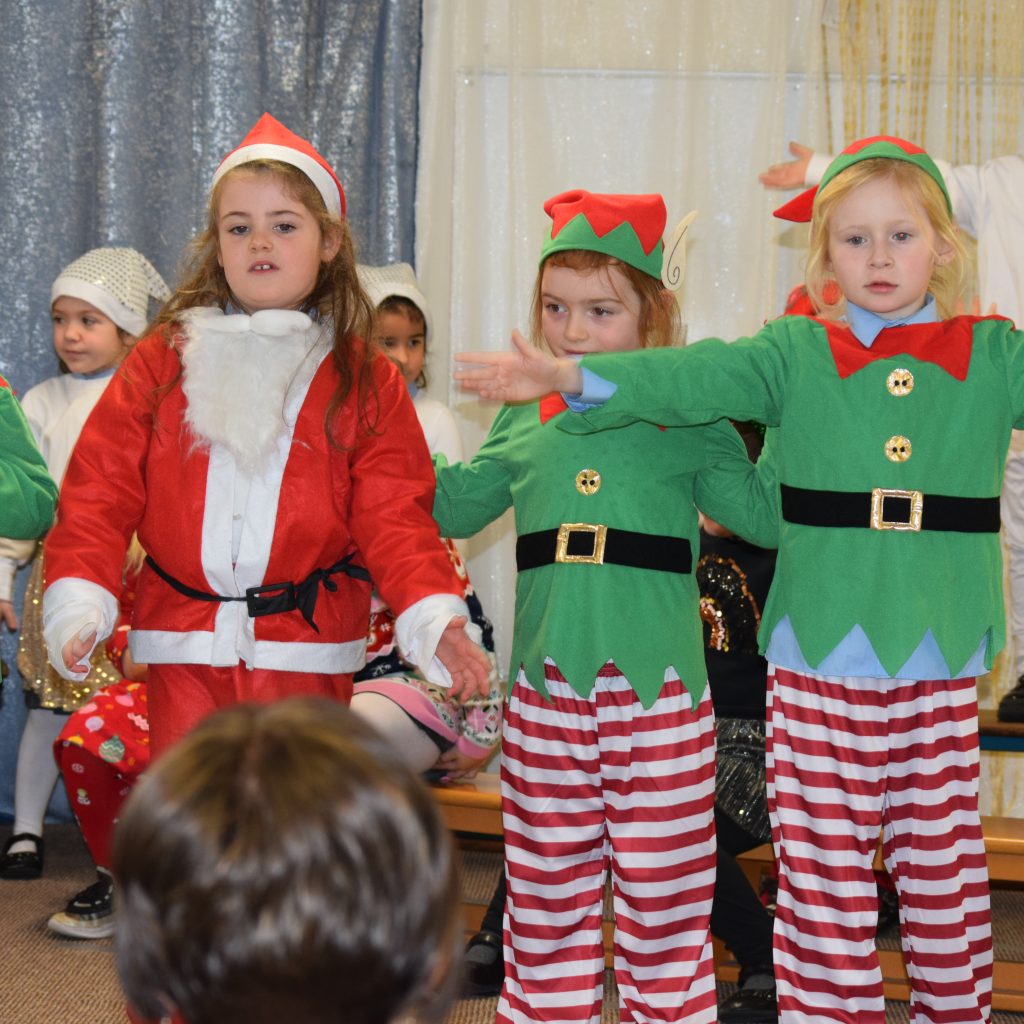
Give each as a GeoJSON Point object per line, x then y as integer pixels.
{"type": "Point", "coordinates": [484, 962]}
{"type": "Point", "coordinates": [24, 865]}
{"type": "Point", "coordinates": [888, 910]}
{"type": "Point", "coordinates": [750, 1005]}
{"type": "Point", "coordinates": [90, 914]}
{"type": "Point", "coordinates": [1011, 707]}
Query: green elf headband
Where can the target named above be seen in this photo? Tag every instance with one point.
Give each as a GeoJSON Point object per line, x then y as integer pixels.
{"type": "Point", "coordinates": [625, 227]}
{"type": "Point", "coordinates": [885, 147]}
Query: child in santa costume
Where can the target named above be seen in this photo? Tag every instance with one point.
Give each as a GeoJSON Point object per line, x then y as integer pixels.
{"type": "Point", "coordinates": [608, 740]}
{"type": "Point", "coordinates": [27, 494]}
{"type": "Point", "coordinates": [99, 306]}
{"type": "Point", "coordinates": [893, 424]}
{"type": "Point", "coordinates": [261, 446]}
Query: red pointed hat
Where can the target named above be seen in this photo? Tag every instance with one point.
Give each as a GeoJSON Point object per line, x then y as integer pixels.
{"type": "Point", "coordinates": [886, 147]}
{"type": "Point", "coordinates": [628, 227]}
{"type": "Point", "coordinates": [268, 139]}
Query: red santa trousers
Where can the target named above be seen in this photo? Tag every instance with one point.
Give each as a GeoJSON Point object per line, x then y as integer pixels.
{"type": "Point", "coordinates": [599, 781]}
{"type": "Point", "coordinates": [181, 696]}
{"type": "Point", "coordinates": [848, 756]}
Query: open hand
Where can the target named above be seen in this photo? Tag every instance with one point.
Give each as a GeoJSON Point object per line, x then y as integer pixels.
{"type": "Point", "coordinates": [791, 173]}
{"type": "Point", "coordinates": [76, 651]}
{"type": "Point", "coordinates": [521, 375]}
{"type": "Point", "coordinates": [467, 663]}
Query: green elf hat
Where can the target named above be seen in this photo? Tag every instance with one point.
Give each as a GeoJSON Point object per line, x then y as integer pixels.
{"type": "Point", "coordinates": [627, 227]}
{"type": "Point", "coordinates": [886, 147]}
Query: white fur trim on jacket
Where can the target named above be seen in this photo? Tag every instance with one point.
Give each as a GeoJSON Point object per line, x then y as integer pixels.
{"type": "Point", "coordinates": [418, 630]}
{"type": "Point", "coordinates": [70, 607]}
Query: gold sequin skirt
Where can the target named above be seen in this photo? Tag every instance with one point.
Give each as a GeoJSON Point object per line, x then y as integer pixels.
{"type": "Point", "coordinates": [38, 676]}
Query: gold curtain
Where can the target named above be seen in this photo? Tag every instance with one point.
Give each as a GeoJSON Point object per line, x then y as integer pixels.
{"type": "Point", "coordinates": [943, 73]}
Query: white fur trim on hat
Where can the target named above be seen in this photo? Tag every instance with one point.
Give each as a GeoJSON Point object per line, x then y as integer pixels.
{"type": "Point", "coordinates": [395, 279]}
{"type": "Point", "coordinates": [325, 184]}
{"type": "Point", "coordinates": [119, 282]}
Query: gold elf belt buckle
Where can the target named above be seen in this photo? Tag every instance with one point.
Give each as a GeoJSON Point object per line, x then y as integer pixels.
{"type": "Point", "coordinates": [566, 530]}
{"type": "Point", "coordinates": [911, 523]}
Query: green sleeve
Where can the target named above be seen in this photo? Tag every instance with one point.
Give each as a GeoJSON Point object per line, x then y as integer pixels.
{"type": "Point", "coordinates": [732, 490]}
{"type": "Point", "coordinates": [470, 495]}
{"type": "Point", "coordinates": [678, 387]}
{"type": "Point", "coordinates": [27, 494]}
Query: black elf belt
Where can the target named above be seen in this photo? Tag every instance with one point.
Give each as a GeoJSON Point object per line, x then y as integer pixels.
{"type": "Point", "coordinates": [889, 509]}
{"type": "Point", "coordinates": [275, 598]}
{"type": "Point", "coordinates": [591, 544]}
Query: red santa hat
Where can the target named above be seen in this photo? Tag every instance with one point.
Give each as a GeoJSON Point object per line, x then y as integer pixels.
{"type": "Point", "coordinates": [268, 139]}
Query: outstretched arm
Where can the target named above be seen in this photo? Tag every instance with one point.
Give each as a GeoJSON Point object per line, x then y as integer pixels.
{"type": "Point", "coordinates": [521, 375]}
{"type": "Point", "coordinates": [790, 173]}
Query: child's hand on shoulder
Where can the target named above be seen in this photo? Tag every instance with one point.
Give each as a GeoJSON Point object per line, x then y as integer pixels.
{"type": "Point", "coordinates": [521, 375]}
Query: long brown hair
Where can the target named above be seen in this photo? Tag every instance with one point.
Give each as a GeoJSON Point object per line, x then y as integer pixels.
{"type": "Point", "coordinates": [337, 296]}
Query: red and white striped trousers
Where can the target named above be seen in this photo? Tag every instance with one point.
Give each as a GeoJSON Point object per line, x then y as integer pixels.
{"type": "Point", "coordinates": [589, 782]}
{"type": "Point", "coordinates": [846, 756]}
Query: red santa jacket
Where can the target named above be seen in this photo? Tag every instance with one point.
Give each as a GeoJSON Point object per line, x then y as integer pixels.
{"type": "Point", "coordinates": [138, 467]}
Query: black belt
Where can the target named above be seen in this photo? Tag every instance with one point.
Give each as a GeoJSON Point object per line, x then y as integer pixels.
{"type": "Point", "coordinates": [591, 544]}
{"type": "Point", "coordinates": [889, 509]}
{"type": "Point", "coordinates": [275, 598]}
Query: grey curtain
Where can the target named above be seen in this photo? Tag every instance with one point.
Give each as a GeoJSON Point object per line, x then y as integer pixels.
{"type": "Point", "coordinates": [115, 113]}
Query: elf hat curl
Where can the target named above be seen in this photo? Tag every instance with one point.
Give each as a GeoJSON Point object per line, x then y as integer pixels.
{"type": "Point", "coordinates": [887, 147]}
{"type": "Point", "coordinates": [399, 279]}
{"type": "Point", "coordinates": [268, 139]}
{"type": "Point", "coordinates": [117, 281]}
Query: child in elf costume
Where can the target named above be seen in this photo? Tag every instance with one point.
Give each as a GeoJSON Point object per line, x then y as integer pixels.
{"type": "Point", "coordinates": [608, 740]}
{"type": "Point", "coordinates": [260, 441]}
{"type": "Point", "coordinates": [27, 494]}
{"type": "Point", "coordinates": [893, 424]}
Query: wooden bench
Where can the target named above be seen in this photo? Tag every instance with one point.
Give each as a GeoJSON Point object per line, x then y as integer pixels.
{"type": "Point", "coordinates": [473, 811]}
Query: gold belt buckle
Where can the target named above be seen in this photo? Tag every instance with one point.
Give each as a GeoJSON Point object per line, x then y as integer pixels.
{"type": "Point", "coordinates": [878, 520]}
{"type": "Point", "coordinates": [562, 547]}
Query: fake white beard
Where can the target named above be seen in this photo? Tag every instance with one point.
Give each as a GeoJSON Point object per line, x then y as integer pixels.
{"type": "Point", "coordinates": [238, 370]}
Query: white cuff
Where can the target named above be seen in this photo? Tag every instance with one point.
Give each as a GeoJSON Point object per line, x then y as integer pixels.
{"type": "Point", "coordinates": [816, 167]}
{"type": "Point", "coordinates": [8, 567]}
{"type": "Point", "coordinates": [72, 607]}
{"type": "Point", "coordinates": [418, 631]}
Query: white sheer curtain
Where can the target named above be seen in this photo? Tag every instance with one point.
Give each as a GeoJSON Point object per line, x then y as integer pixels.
{"type": "Point", "coordinates": [521, 100]}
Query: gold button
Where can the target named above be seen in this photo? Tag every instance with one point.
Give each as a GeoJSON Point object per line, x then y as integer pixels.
{"type": "Point", "coordinates": [588, 481]}
{"type": "Point", "coordinates": [900, 382]}
{"type": "Point", "coordinates": [898, 449]}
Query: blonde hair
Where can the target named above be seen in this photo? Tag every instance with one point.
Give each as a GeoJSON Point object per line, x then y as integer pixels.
{"type": "Point", "coordinates": [659, 317]}
{"type": "Point", "coordinates": [921, 191]}
{"type": "Point", "coordinates": [337, 297]}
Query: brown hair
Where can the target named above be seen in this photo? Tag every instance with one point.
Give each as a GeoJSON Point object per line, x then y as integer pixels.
{"type": "Point", "coordinates": [337, 296]}
{"type": "Point", "coordinates": [659, 319]}
{"type": "Point", "coordinates": [919, 189]}
{"type": "Point", "coordinates": [399, 305]}
{"type": "Point", "coordinates": [281, 863]}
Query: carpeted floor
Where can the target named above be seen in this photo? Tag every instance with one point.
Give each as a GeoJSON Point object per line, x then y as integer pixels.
{"type": "Point", "coordinates": [45, 979]}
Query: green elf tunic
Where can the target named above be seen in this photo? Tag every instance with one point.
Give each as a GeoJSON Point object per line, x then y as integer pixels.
{"type": "Point", "coordinates": [641, 478]}
{"type": "Point", "coordinates": [928, 408]}
{"type": "Point", "coordinates": [27, 494]}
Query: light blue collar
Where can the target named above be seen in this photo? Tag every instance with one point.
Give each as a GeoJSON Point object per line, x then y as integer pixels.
{"type": "Point", "coordinates": [97, 375]}
{"type": "Point", "coordinates": [866, 326]}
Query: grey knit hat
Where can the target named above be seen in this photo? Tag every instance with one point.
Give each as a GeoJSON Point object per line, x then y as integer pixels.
{"type": "Point", "coordinates": [398, 279]}
{"type": "Point", "coordinates": [117, 281]}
